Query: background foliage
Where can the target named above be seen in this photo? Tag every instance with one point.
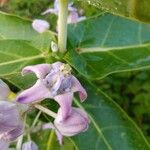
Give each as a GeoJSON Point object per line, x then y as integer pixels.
{"type": "Point", "coordinates": [130, 89]}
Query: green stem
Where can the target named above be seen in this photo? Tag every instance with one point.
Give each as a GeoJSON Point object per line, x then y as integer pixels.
{"type": "Point", "coordinates": [20, 139]}
{"type": "Point", "coordinates": [36, 119]}
{"type": "Point", "coordinates": [62, 25]}
{"type": "Point", "coordinates": [45, 110]}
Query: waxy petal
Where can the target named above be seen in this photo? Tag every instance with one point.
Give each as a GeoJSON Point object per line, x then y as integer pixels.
{"type": "Point", "coordinates": [56, 66]}
{"type": "Point", "coordinates": [4, 90]}
{"type": "Point", "coordinates": [40, 70]}
{"type": "Point", "coordinates": [4, 145]}
{"type": "Point", "coordinates": [73, 17]}
{"type": "Point", "coordinates": [77, 87]}
{"type": "Point", "coordinates": [13, 134]}
{"type": "Point", "coordinates": [9, 116]}
{"type": "Point", "coordinates": [34, 94]}
{"type": "Point", "coordinates": [65, 102]}
{"type": "Point", "coordinates": [76, 122]}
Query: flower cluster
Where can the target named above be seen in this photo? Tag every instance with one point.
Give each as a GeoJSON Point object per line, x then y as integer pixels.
{"type": "Point", "coordinates": [42, 25]}
{"type": "Point", "coordinates": [73, 15]}
{"type": "Point", "coordinates": [56, 82]}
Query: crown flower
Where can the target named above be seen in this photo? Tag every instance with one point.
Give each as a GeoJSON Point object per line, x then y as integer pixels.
{"type": "Point", "coordinates": [55, 81]}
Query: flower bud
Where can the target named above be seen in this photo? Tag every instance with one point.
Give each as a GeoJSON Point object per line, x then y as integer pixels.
{"type": "Point", "coordinates": [54, 47]}
{"type": "Point", "coordinates": [4, 90]}
{"type": "Point", "coordinates": [40, 25]}
{"type": "Point", "coordinates": [30, 145]}
{"type": "Point", "coordinates": [75, 123]}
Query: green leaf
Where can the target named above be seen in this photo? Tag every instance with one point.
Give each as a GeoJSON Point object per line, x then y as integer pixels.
{"type": "Point", "coordinates": [14, 55]}
{"type": "Point", "coordinates": [110, 127]}
{"type": "Point", "coordinates": [108, 44]}
{"type": "Point", "coordinates": [16, 28]}
{"type": "Point", "coordinates": [136, 9]}
{"type": "Point", "coordinates": [20, 45]}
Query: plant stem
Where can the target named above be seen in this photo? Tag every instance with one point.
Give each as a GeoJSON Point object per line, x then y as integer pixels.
{"type": "Point", "coordinates": [62, 25]}
{"type": "Point", "coordinates": [20, 139]}
{"type": "Point", "coordinates": [45, 110]}
{"type": "Point", "coordinates": [36, 119]}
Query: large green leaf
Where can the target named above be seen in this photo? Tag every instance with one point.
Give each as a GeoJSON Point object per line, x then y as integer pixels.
{"type": "Point", "coordinates": [16, 54]}
{"type": "Point", "coordinates": [20, 45]}
{"type": "Point", "coordinates": [110, 128]}
{"type": "Point", "coordinates": [137, 9]}
{"type": "Point", "coordinates": [16, 28]}
{"type": "Point", "coordinates": [108, 44]}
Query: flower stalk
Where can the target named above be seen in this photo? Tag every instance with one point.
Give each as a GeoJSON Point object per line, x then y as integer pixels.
{"type": "Point", "coordinates": [45, 110]}
{"type": "Point", "coordinates": [62, 25]}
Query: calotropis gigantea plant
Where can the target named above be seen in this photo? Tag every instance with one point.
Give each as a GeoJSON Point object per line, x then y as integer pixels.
{"type": "Point", "coordinates": [72, 60]}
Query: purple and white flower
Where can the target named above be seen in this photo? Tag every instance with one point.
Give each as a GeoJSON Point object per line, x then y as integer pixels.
{"type": "Point", "coordinates": [75, 123]}
{"type": "Point", "coordinates": [73, 15]}
{"type": "Point", "coordinates": [55, 81]}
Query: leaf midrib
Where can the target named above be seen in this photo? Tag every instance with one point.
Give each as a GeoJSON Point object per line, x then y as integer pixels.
{"type": "Point", "coordinates": [97, 127]}
{"type": "Point", "coordinates": [20, 60]}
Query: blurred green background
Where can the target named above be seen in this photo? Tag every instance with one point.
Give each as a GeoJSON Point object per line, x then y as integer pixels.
{"type": "Point", "coordinates": [131, 90]}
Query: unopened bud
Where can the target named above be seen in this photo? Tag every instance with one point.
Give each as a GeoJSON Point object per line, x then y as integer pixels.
{"type": "Point", "coordinates": [40, 25]}
{"type": "Point", "coordinates": [54, 47]}
{"type": "Point", "coordinates": [30, 145]}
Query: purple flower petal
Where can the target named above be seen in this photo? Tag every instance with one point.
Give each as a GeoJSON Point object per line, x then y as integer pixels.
{"type": "Point", "coordinates": [76, 122]}
{"type": "Point", "coordinates": [14, 134]}
{"type": "Point", "coordinates": [10, 124]}
{"type": "Point", "coordinates": [9, 116]}
{"type": "Point", "coordinates": [73, 17]}
{"type": "Point", "coordinates": [77, 87]}
{"type": "Point", "coordinates": [40, 70]}
{"type": "Point", "coordinates": [50, 10]}
{"type": "Point", "coordinates": [4, 90]}
{"type": "Point", "coordinates": [4, 145]}
{"type": "Point", "coordinates": [56, 66]}
{"type": "Point", "coordinates": [65, 102]}
{"type": "Point", "coordinates": [34, 94]}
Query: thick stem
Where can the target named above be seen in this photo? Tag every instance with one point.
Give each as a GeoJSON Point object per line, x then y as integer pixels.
{"type": "Point", "coordinates": [45, 110]}
{"type": "Point", "coordinates": [62, 25]}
